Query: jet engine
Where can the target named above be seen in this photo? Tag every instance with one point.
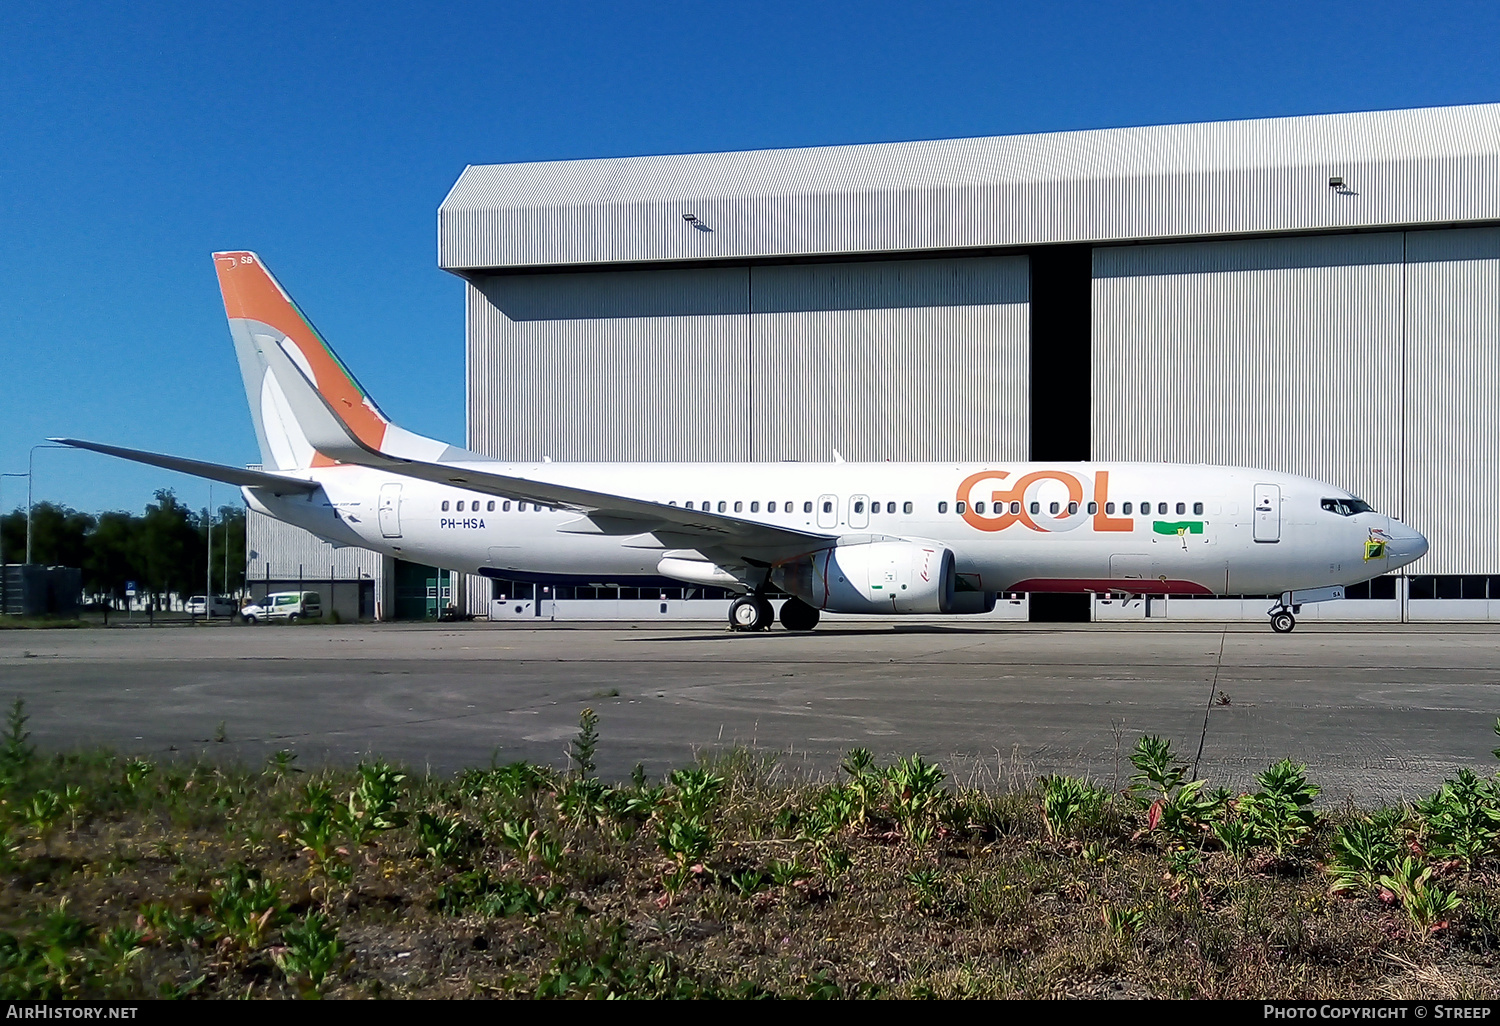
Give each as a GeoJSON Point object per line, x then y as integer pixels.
{"type": "Point", "coordinates": [874, 577]}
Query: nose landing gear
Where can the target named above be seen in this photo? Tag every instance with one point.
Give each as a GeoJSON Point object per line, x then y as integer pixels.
{"type": "Point", "coordinates": [1282, 620]}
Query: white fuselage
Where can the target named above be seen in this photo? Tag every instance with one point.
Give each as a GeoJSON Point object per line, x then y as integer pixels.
{"type": "Point", "coordinates": [1210, 530]}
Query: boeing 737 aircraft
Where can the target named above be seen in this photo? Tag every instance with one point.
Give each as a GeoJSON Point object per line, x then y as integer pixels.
{"type": "Point", "coordinates": [897, 538]}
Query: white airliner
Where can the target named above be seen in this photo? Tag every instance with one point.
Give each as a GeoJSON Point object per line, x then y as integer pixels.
{"type": "Point", "coordinates": [898, 538]}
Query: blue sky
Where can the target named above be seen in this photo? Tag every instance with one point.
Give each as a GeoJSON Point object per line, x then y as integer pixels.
{"type": "Point", "coordinates": [137, 138]}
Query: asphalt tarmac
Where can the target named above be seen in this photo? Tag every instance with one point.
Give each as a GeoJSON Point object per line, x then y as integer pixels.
{"type": "Point", "coordinates": [1377, 713]}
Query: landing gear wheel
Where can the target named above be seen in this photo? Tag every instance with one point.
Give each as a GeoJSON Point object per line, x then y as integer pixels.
{"type": "Point", "coordinates": [767, 613]}
{"type": "Point", "coordinates": [1282, 621]}
{"type": "Point", "coordinates": [749, 613]}
{"type": "Point", "coordinates": [797, 615]}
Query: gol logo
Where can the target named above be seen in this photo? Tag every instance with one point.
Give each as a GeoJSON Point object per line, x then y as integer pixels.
{"type": "Point", "coordinates": [1012, 505]}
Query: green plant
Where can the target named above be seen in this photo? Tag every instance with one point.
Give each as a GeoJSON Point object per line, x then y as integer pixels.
{"type": "Point", "coordinates": [914, 789]}
{"type": "Point", "coordinates": [1122, 922]}
{"type": "Point", "coordinates": [42, 812]}
{"type": "Point", "coordinates": [697, 790]}
{"type": "Point", "coordinates": [1281, 813]}
{"type": "Point", "coordinates": [927, 884]}
{"type": "Point", "coordinates": [1070, 806]}
{"type": "Point", "coordinates": [836, 860]}
{"type": "Point", "coordinates": [687, 839]}
{"type": "Point", "coordinates": [310, 950]}
{"type": "Point", "coordinates": [16, 755]}
{"type": "Point", "coordinates": [479, 893]}
{"type": "Point", "coordinates": [1157, 774]}
{"type": "Point", "coordinates": [747, 881]}
{"type": "Point", "coordinates": [785, 872]}
{"type": "Point", "coordinates": [137, 772]}
{"type": "Point", "coordinates": [1237, 836]}
{"type": "Point", "coordinates": [1425, 904]}
{"type": "Point", "coordinates": [1462, 820]}
{"type": "Point", "coordinates": [51, 961]}
{"type": "Point", "coordinates": [372, 806]}
{"type": "Point", "coordinates": [244, 907]}
{"type": "Point", "coordinates": [443, 839]}
{"type": "Point", "coordinates": [585, 744]}
{"type": "Point", "coordinates": [279, 764]}
{"type": "Point", "coordinates": [1363, 852]}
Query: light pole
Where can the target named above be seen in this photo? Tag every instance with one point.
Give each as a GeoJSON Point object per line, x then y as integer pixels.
{"type": "Point", "coordinates": [30, 476]}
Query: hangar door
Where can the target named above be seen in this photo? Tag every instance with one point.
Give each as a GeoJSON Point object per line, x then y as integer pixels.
{"type": "Point", "coordinates": [891, 359]}
{"type": "Point", "coordinates": [1284, 354]}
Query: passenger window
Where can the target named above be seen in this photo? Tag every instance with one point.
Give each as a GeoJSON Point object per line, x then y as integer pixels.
{"type": "Point", "coordinates": [890, 507]}
{"type": "Point", "coordinates": [958, 507]}
{"type": "Point", "coordinates": [1109, 508]}
{"type": "Point", "coordinates": [688, 504]}
{"type": "Point", "coordinates": [906, 507]}
{"type": "Point", "coordinates": [1093, 508]}
{"type": "Point", "coordinates": [786, 507]}
{"type": "Point", "coordinates": [754, 507]}
{"type": "Point", "coordinates": [1052, 509]}
{"type": "Point", "coordinates": [739, 506]}
{"type": "Point", "coordinates": [827, 506]}
{"type": "Point", "coordinates": [1015, 508]}
{"type": "Point", "coordinates": [874, 507]}
{"type": "Point", "coordinates": [520, 507]}
{"type": "Point", "coordinates": [1161, 508]}
{"type": "Point", "coordinates": [1181, 508]}
{"type": "Point", "coordinates": [505, 506]}
{"type": "Point", "coordinates": [1036, 507]}
{"type": "Point", "coordinates": [460, 506]}
{"type": "Point", "coordinates": [978, 507]}
{"type": "Point", "coordinates": [1127, 509]}
{"type": "Point", "coordinates": [706, 506]}
{"type": "Point", "coordinates": [1072, 508]}
{"type": "Point", "coordinates": [807, 507]}
{"type": "Point", "coordinates": [859, 507]}
{"type": "Point", "coordinates": [942, 507]}
{"type": "Point", "coordinates": [672, 502]}
{"type": "Point", "coordinates": [445, 505]}
{"type": "Point", "coordinates": [489, 507]}
{"type": "Point", "coordinates": [770, 507]}
{"type": "Point", "coordinates": [723, 506]}
{"type": "Point", "coordinates": [1197, 509]}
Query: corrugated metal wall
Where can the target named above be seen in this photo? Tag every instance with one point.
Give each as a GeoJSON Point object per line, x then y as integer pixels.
{"type": "Point", "coordinates": [899, 360]}
{"type": "Point", "coordinates": [1284, 354]}
{"type": "Point", "coordinates": [1453, 392]}
{"type": "Point", "coordinates": [888, 360]}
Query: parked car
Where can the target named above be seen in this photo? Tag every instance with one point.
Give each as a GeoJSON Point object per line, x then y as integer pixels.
{"type": "Point", "coordinates": [284, 605]}
{"type": "Point", "coordinates": [219, 605]}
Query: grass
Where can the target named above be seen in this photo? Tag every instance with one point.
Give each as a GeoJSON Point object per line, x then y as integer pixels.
{"type": "Point", "coordinates": [127, 878]}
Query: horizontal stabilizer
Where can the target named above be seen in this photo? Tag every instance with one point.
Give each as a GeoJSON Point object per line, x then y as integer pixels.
{"type": "Point", "coordinates": [212, 471]}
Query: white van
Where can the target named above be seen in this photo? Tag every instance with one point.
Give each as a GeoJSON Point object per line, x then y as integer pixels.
{"type": "Point", "coordinates": [219, 605]}
{"type": "Point", "coordinates": [290, 606]}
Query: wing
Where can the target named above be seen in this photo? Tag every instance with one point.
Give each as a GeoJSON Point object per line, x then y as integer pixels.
{"type": "Point", "coordinates": [213, 471]}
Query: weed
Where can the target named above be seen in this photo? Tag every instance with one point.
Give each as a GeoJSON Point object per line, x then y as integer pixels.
{"type": "Point", "coordinates": [221, 734]}
{"type": "Point", "coordinates": [836, 860]}
{"type": "Point", "coordinates": [16, 756]}
{"type": "Point", "coordinates": [585, 744]}
{"type": "Point", "coordinates": [786, 872]}
{"type": "Point", "coordinates": [244, 907]}
{"type": "Point", "coordinates": [914, 788]}
{"type": "Point", "coordinates": [747, 882]}
{"type": "Point", "coordinates": [1158, 774]}
{"type": "Point", "coordinates": [1281, 812]}
{"type": "Point", "coordinates": [50, 962]}
{"type": "Point", "coordinates": [444, 839]}
{"type": "Point", "coordinates": [372, 806]}
{"type": "Point", "coordinates": [1363, 852]}
{"type": "Point", "coordinates": [310, 950]}
{"type": "Point", "coordinates": [1462, 820]}
{"type": "Point", "coordinates": [279, 764]}
{"type": "Point", "coordinates": [479, 893]}
{"type": "Point", "coordinates": [1425, 905]}
{"type": "Point", "coordinates": [1122, 922]}
{"type": "Point", "coordinates": [1070, 806]}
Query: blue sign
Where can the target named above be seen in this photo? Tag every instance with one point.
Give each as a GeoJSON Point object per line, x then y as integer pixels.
{"type": "Point", "coordinates": [130, 589]}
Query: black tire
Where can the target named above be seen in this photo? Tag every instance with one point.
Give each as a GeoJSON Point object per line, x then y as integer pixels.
{"type": "Point", "coordinates": [292, 618]}
{"type": "Point", "coordinates": [767, 613]}
{"type": "Point", "coordinates": [249, 619]}
{"type": "Point", "coordinates": [748, 613]}
{"type": "Point", "coordinates": [797, 615]}
{"type": "Point", "coordinates": [1282, 622]}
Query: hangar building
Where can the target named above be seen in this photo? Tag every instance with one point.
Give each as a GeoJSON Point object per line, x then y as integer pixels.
{"type": "Point", "coordinates": [1318, 295]}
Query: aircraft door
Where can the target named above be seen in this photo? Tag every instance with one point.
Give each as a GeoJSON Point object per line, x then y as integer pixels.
{"type": "Point", "coordinates": [828, 511]}
{"type": "Point", "coordinates": [859, 512]}
{"type": "Point", "coordinates": [1267, 513]}
{"type": "Point", "coordinates": [390, 510]}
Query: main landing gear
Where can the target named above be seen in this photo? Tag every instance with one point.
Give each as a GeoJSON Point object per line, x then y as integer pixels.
{"type": "Point", "coordinates": [1282, 620]}
{"type": "Point", "coordinates": [754, 613]}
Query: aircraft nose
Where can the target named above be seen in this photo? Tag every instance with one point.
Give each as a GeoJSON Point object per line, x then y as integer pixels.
{"type": "Point", "coordinates": [1406, 545]}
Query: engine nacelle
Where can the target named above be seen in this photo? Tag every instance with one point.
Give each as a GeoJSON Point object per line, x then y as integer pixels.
{"type": "Point", "coordinates": [874, 577]}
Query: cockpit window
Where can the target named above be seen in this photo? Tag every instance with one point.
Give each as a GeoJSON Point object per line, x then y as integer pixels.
{"type": "Point", "coordinates": [1347, 507]}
